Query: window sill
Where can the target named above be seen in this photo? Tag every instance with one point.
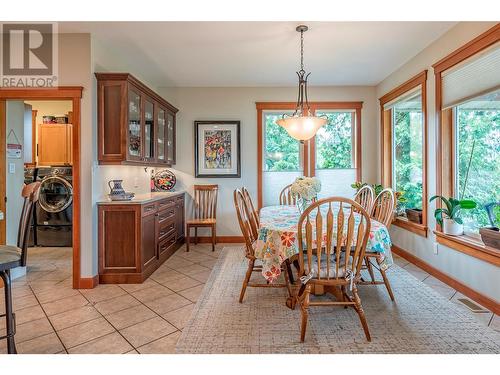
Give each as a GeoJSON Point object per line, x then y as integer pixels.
{"type": "Point", "coordinates": [469, 246]}
{"type": "Point", "coordinates": [416, 228]}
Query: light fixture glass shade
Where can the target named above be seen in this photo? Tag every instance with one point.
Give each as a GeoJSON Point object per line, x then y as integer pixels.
{"type": "Point", "coordinates": [302, 128]}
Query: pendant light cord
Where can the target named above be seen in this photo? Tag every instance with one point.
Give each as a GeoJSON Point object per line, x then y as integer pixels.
{"type": "Point", "coordinates": [302, 50]}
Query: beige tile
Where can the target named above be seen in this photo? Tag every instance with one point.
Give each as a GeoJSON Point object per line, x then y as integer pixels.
{"type": "Point", "coordinates": [130, 288]}
{"type": "Point", "coordinates": [116, 304]}
{"type": "Point", "coordinates": [196, 257]}
{"type": "Point", "coordinates": [416, 272]}
{"type": "Point", "coordinates": [202, 276]}
{"type": "Point", "coordinates": [133, 351]}
{"type": "Point", "coordinates": [495, 323]}
{"type": "Point", "coordinates": [179, 317]}
{"type": "Point", "coordinates": [169, 303]}
{"type": "Point", "coordinates": [444, 291]}
{"type": "Point", "coordinates": [47, 344]}
{"type": "Point", "coordinates": [192, 294]}
{"type": "Point", "coordinates": [145, 332]}
{"type": "Point", "coordinates": [431, 280]}
{"type": "Point", "coordinates": [56, 293]}
{"type": "Point", "coordinates": [84, 332]}
{"type": "Point", "coordinates": [64, 304]}
{"type": "Point", "coordinates": [176, 263]}
{"type": "Point", "coordinates": [29, 314]}
{"type": "Point", "coordinates": [163, 275]}
{"type": "Point", "coordinates": [23, 302]}
{"type": "Point", "coordinates": [113, 343]}
{"type": "Point", "coordinates": [129, 317]}
{"type": "Point", "coordinates": [165, 345]}
{"type": "Point", "coordinates": [19, 291]}
{"type": "Point", "coordinates": [192, 269]}
{"type": "Point", "coordinates": [155, 292]}
{"type": "Point", "coordinates": [483, 317]}
{"type": "Point", "coordinates": [73, 317]}
{"type": "Point", "coordinates": [33, 329]}
{"type": "Point", "coordinates": [103, 292]}
{"type": "Point", "coordinates": [40, 286]}
{"type": "Point", "coordinates": [181, 283]}
{"type": "Point", "coordinates": [210, 263]}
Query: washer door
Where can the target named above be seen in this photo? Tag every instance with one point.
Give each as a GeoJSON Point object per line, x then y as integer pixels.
{"type": "Point", "coordinates": [56, 194]}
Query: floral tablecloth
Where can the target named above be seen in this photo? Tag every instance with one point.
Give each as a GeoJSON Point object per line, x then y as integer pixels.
{"type": "Point", "coordinates": [277, 239]}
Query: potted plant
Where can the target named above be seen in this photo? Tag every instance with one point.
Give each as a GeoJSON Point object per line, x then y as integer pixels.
{"type": "Point", "coordinates": [491, 235]}
{"type": "Point", "coordinates": [449, 217]}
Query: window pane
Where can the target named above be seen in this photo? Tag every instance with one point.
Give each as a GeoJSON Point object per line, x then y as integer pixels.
{"type": "Point", "coordinates": [408, 151]}
{"type": "Point", "coordinates": [282, 159]}
{"type": "Point", "coordinates": [334, 141]}
{"type": "Point", "coordinates": [478, 139]}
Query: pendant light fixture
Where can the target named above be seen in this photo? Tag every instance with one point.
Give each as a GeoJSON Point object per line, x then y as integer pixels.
{"type": "Point", "coordinates": [302, 125]}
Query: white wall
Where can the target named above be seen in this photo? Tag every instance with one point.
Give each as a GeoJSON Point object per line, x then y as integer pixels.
{"type": "Point", "coordinates": [478, 275]}
{"type": "Point", "coordinates": [239, 104]}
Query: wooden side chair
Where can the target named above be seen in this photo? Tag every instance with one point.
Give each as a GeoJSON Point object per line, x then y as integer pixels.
{"type": "Point", "coordinates": [16, 256]}
{"type": "Point", "coordinates": [365, 197]}
{"type": "Point", "coordinates": [383, 212]}
{"type": "Point", "coordinates": [286, 197]}
{"type": "Point", "coordinates": [249, 238]}
{"type": "Point", "coordinates": [336, 265]}
{"type": "Point", "coordinates": [205, 212]}
{"type": "Point", "coordinates": [252, 213]}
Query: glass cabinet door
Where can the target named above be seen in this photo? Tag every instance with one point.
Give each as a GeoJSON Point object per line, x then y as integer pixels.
{"type": "Point", "coordinates": [170, 138]}
{"type": "Point", "coordinates": [149, 129]}
{"type": "Point", "coordinates": [134, 125]}
{"type": "Point", "coordinates": [160, 146]}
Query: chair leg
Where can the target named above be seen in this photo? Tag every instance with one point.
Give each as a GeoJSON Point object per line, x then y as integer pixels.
{"type": "Point", "coordinates": [188, 232]}
{"type": "Point", "coordinates": [287, 275]}
{"type": "Point", "coordinates": [247, 279]}
{"type": "Point", "coordinates": [289, 271]}
{"type": "Point", "coordinates": [359, 309]}
{"type": "Point", "coordinates": [370, 268]}
{"type": "Point", "coordinates": [9, 316]}
{"type": "Point", "coordinates": [213, 237]}
{"type": "Point", "coordinates": [304, 306]}
{"type": "Point", "coordinates": [387, 285]}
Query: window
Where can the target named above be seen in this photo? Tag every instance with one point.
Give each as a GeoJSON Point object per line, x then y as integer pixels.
{"type": "Point", "coordinates": [403, 137]}
{"type": "Point", "coordinates": [477, 129]}
{"type": "Point", "coordinates": [333, 155]}
{"type": "Point", "coordinates": [467, 112]}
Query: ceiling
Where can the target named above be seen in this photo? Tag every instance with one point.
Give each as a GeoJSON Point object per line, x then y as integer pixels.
{"type": "Point", "coordinates": [196, 54]}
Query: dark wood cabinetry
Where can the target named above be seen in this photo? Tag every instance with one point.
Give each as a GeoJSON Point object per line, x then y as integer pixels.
{"type": "Point", "coordinates": [136, 238]}
{"type": "Point", "coordinates": [135, 125]}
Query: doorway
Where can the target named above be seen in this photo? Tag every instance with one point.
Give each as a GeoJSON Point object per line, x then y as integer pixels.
{"type": "Point", "coordinates": [58, 163]}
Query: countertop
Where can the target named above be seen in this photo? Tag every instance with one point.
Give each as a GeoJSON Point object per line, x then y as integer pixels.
{"type": "Point", "coordinates": [144, 198]}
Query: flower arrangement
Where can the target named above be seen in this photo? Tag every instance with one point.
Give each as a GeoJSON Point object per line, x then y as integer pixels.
{"type": "Point", "coordinates": [305, 189]}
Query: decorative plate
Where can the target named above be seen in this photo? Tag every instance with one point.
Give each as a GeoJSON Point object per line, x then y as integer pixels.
{"type": "Point", "coordinates": [164, 180]}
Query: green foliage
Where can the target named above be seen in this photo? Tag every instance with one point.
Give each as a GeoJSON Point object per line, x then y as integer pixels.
{"type": "Point", "coordinates": [453, 208]}
{"type": "Point", "coordinates": [281, 150]}
{"type": "Point", "coordinates": [483, 183]}
{"type": "Point", "coordinates": [334, 142]}
{"type": "Point", "coordinates": [496, 215]}
{"type": "Point", "coordinates": [408, 155]}
{"type": "Point", "coordinates": [400, 196]}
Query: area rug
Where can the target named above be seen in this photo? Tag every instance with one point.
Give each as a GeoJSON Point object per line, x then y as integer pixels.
{"type": "Point", "coordinates": [420, 321]}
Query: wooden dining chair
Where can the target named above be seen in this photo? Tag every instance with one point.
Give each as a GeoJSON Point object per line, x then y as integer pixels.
{"type": "Point", "coordinates": [365, 197]}
{"type": "Point", "coordinates": [249, 238]}
{"type": "Point", "coordinates": [286, 197]}
{"type": "Point", "coordinates": [336, 265]}
{"type": "Point", "coordinates": [383, 212]}
{"type": "Point", "coordinates": [252, 213]}
{"type": "Point", "coordinates": [205, 213]}
{"type": "Point", "coordinates": [16, 256]}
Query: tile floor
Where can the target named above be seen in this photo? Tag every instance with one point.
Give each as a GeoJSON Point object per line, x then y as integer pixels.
{"type": "Point", "coordinates": [147, 318]}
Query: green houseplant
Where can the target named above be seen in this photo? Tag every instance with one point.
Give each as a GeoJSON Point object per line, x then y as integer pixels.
{"type": "Point", "coordinates": [449, 217]}
{"type": "Point", "coordinates": [399, 195]}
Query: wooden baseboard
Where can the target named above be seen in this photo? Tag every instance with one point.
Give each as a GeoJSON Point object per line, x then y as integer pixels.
{"type": "Point", "coordinates": [487, 302]}
{"type": "Point", "coordinates": [220, 239]}
{"type": "Point", "coordinates": [88, 282]}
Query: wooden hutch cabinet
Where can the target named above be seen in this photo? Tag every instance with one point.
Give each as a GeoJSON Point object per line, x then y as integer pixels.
{"type": "Point", "coordinates": [135, 125]}
{"type": "Point", "coordinates": [135, 238]}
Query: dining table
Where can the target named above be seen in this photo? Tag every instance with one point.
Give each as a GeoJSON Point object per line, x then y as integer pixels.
{"type": "Point", "coordinates": [278, 239]}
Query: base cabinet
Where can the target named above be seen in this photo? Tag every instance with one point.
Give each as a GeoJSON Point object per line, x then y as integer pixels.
{"type": "Point", "coordinates": [135, 239]}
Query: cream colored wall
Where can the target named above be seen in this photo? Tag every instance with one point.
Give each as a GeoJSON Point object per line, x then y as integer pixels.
{"type": "Point", "coordinates": [478, 275]}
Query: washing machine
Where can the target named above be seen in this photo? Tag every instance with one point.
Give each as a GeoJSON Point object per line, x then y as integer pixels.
{"type": "Point", "coordinates": [54, 209]}
{"type": "Point", "coordinates": [29, 177]}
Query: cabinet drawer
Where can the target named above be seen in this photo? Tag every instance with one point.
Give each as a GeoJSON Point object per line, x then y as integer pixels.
{"type": "Point", "coordinates": [166, 230]}
{"type": "Point", "coordinates": [148, 209]}
{"type": "Point", "coordinates": [166, 214]}
{"type": "Point", "coordinates": [166, 246]}
{"type": "Point", "coordinates": [162, 205]}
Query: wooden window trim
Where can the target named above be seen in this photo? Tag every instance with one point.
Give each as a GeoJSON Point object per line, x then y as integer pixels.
{"type": "Point", "coordinates": [386, 147]}
{"type": "Point", "coordinates": [445, 145]}
{"type": "Point", "coordinates": [309, 146]}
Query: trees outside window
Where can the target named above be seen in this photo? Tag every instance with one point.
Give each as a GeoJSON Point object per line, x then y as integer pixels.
{"type": "Point", "coordinates": [334, 141]}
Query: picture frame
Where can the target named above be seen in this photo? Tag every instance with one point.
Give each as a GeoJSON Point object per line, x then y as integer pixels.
{"type": "Point", "coordinates": [217, 149]}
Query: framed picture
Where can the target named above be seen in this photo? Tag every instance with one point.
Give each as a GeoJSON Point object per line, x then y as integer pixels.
{"type": "Point", "coordinates": [217, 149]}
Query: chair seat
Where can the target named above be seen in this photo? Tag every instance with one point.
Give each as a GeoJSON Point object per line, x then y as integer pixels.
{"type": "Point", "coordinates": [201, 221]}
{"type": "Point", "coordinates": [9, 254]}
{"type": "Point", "coordinates": [323, 272]}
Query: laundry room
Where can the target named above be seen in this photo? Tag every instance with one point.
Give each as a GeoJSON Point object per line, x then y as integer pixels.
{"type": "Point", "coordinates": [39, 148]}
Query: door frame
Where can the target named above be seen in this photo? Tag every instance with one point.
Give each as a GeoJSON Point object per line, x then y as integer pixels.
{"type": "Point", "coordinates": [73, 93]}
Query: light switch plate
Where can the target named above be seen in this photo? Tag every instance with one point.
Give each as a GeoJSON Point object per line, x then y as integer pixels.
{"type": "Point", "coordinates": [12, 168]}
{"type": "Point", "coordinates": [435, 248]}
